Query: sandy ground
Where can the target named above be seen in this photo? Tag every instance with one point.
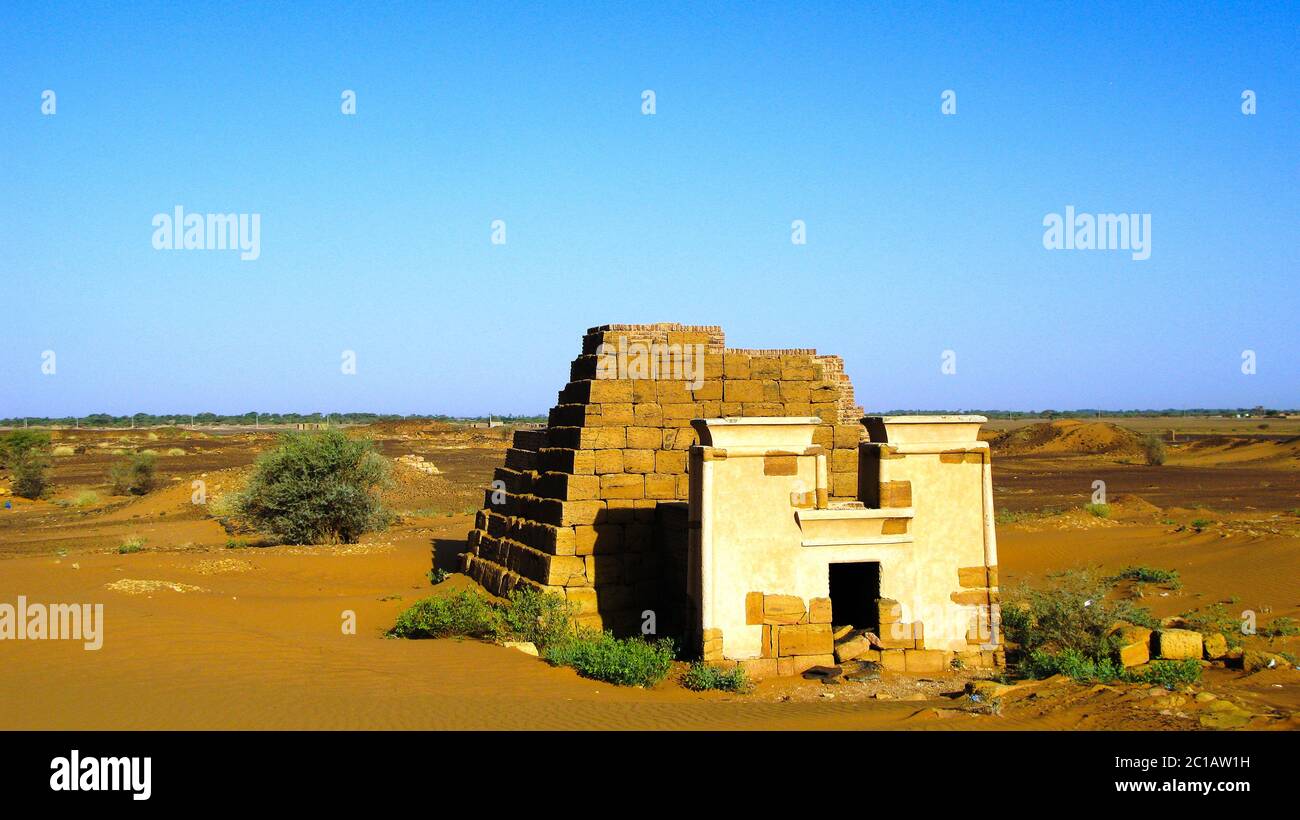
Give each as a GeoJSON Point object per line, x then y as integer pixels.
{"type": "Point", "coordinates": [199, 634]}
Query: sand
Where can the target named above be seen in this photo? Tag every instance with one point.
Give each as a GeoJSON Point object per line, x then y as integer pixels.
{"type": "Point", "coordinates": [199, 635]}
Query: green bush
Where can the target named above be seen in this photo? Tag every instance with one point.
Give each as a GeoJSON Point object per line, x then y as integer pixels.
{"type": "Point", "coordinates": [1149, 575]}
{"type": "Point", "coordinates": [133, 544]}
{"type": "Point", "coordinates": [316, 488]}
{"type": "Point", "coordinates": [465, 613]}
{"type": "Point", "coordinates": [1154, 450]}
{"type": "Point", "coordinates": [1063, 628]}
{"type": "Point", "coordinates": [1083, 668]}
{"type": "Point", "coordinates": [1169, 674]}
{"type": "Point", "coordinates": [134, 475]}
{"type": "Point", "coordinates": [1099, 510]}
{"type": "Point", "coordinates": [625, 662]}
{"type": "Point", "coordinates": [1281, 627]}
{"type": "Point", "coordinates": [29, 478]}
{"type": "Point", "coordinates": [539, 617]}
{"type": "Point", "coordinates": [17, 443]}
{"type": "Point", "coordinates": [702, 677]}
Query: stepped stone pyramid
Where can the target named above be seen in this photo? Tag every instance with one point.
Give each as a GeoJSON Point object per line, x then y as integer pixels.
{"type": "Point", "coordinates": [593, 507]}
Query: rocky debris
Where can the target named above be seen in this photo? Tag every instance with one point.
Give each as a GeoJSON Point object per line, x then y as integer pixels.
{"type": "Point", "coordinates": [825, 674]}
{"type": "Point", "coordinates": [861, 671]}
{"type": "Point", "coordinates": [134, 586]}
{"type": "Point", "coordinates": [988, 690]}
{"type": "Point", "coordinates": [417, 462]}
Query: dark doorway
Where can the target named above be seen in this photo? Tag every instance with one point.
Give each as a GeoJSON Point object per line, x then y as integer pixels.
{"type": "Point", "coordinates": [855, 588]}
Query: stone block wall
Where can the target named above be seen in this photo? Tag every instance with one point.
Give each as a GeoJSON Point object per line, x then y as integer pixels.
{"type": "Point", "coordinates": [575, 508]}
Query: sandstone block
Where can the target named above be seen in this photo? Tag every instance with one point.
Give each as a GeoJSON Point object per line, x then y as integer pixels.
{"type": "Point", "coordinates": [819, 611]}
{"type": "Point", "coordinates": [638, 461]}
{"type": "Point", "coordinates": [1179, 644]}
{"type": "Point", "coordinates": [925, 660]}
{"type": "Point", "coordinates": [805, 639]}
{"type": "Point", "coordinates": [783, 609]}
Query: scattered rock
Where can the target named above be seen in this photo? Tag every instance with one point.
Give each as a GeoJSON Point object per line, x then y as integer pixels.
{"type": "Point", "coordinates": [987, 689]}
{"type": "Point", "coordinates": [1222, 714]}
{"type": "Point", "coordinates": [822, 673]}
{"type": "Point", "coordinates": [527, 647]}
{"type": "Point", "coordinates": [1254, 660]}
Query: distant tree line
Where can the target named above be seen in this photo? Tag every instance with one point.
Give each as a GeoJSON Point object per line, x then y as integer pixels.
{"type": "Point", "coordinates": [250, 418]}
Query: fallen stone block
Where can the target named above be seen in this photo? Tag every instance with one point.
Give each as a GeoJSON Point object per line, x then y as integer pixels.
{"type": "Point", "coordinates": [1134, 643]}
{"type": "Point", "coordinates": [853, 648]}
{"type": "Point", "coordinates": [1179, 644]}
{"type": "Point", "coordinates": [1254, 660]}
{"type": "Point", "coordinates": [1216, 646]}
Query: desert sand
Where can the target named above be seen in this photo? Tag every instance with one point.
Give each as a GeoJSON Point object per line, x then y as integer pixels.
{"type": "Point", "coordinates": [205, 629]}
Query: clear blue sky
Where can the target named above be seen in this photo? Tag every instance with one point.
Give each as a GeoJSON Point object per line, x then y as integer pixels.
{"type": "Point", "coordinates": [924, 230]}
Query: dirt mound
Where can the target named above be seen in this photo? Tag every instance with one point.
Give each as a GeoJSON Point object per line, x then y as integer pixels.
{"type": "Point", "coordinates": [1221, 450]}
{"type": "Point", "coordinates": [1069, 436]}
{"type": "Point", "coordinates": [408, 429]}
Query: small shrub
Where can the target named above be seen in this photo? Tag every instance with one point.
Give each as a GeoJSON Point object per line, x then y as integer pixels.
{"type": "Point", "coordinates": [701, 677]}
{"type": "Point", "coordinates": [1282, 627]}
{"type": "Point", "coordinates": [1083, 669]}
{"type": "Point", "coordinates": [437, 576]}
{"type": "Point", "coordinates": [86, 498]}
{"type": "Point", "coordinates": [317, 488]}
{"type": "Point", "coordinates": [29, 478]}
{"type": "Point", "coordinates": [64, 450]}
{"type": "Point", "coordinates": [1169, 674]}
{"type": "Point", "coordinates": [1071, 663]}
{"type": "Point", "coordinates": [466, 613]}
{"type": "Point", "coordinates": [133, 544]}
{"type": "Point", "coordinates": [1099, 510]}
{"type": "Point", "coordinates": [1153, 449]}
{"type": "Point", "coordinates": [539, 617]}
{"type": "Point", "coordinates": [1150, 575]}
{"type": "Point", "coordinates": [175, 451]}
{"type": "Point", "coordinates": [134, 475]}
{"type": "Point", "coordinates": [625, 662]}
{"type": "Point", "coordinates": [1199, 524]}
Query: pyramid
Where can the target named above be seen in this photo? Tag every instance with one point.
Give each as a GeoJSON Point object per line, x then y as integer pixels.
{"type": "Point", "coordinates": [593, 507]}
